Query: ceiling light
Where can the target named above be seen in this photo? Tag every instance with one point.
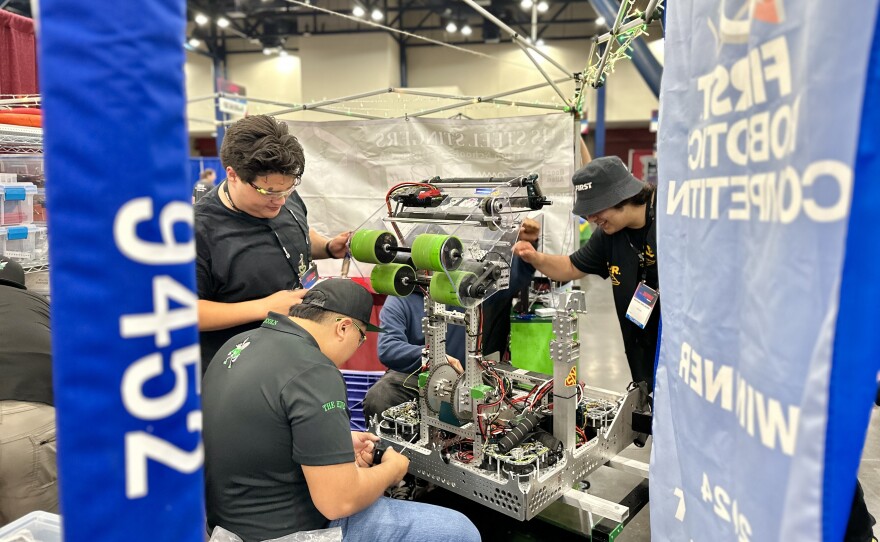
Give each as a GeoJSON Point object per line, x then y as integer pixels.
{"type": "Point", "coordinates": [466, 30]}
{"type": "Point", "coordinates": [283, 53]}
{"type": "Point", "coordinates": [267, 51]}
{"type": "Point", "coordinates": [540, 42]}
{"type": "Point", "coordinates": [376, 15]}
{"type": "Point", "coordinates": [451, 27]}
{"type": "Point", "coordinates": [194, 42]}
{"type": "Point", "coordinates": [358, 11]}
{"type": "Point", "coordinates": [223, 22]}
{"type": "Point", "coordinates": [201, 19]}
{"type": "Point", "coordinates": [600, 21]}
{"type": "Point", "coordinates": [526, 4]}
{"type": "Point", "coordinates": [543, 6]}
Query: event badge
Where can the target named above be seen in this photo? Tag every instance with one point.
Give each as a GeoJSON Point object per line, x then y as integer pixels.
{"type": "Point", "coordinates": [642, 305]}
{"type": "Point", "coordinates": [310, 277]}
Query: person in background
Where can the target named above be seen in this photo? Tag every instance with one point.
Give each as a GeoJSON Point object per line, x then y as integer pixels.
{"type": "Point", "coordinates": [400, 349]}
{"type": "Point", "coordinates": [28, 473]}
{"type": "Point", "coordinates": [205, 184]}
{"type": "Point", "coordinates": [254, 245]}
{"type": "Point", "coordinates": [279, 455]}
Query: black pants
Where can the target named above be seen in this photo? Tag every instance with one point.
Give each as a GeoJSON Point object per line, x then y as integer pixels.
{"type": "Point", "coordinates": [860, 520]}
{"type": "Point", "coordinates": [391, 390]}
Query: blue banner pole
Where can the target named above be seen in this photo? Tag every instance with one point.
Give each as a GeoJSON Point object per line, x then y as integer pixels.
{"type": "Point", "coordinates": [122, 270]}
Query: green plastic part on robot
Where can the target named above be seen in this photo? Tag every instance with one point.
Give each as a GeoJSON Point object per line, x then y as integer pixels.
{"type": "Point", "coordinates": [480, 391]}
{"type": "Point", "coordinates": [423, 379]}
{"type": "Point", "coordinates": [600, 536]}
{"type": "Point", "coordinates": [429, 250]}
{"type": "Point", "coordinates": [446, 292]}
{"type": "Point", "coordinates": [393, 279]}
{"type": "Point", "coordinates": [363, 245]}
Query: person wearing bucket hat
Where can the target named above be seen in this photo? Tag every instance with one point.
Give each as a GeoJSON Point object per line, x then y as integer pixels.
{"type": "Point", "coordinates": [623, 249]}
{"type": "Point", "coordinates": [28, 473]}
{"type": "Point", "coordinates": [279, 455]}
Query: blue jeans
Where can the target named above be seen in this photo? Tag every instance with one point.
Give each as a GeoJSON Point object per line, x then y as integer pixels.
{"type": "Point", "coordinates": [392, 520]}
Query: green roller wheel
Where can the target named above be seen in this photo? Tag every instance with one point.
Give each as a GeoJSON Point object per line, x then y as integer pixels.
{"type": "Point", "coordinates": [373, 246]}
{"type": "Point", "coordinates": [450, 293]}
{"type": "Point", "coordinates": [437, 252]}
{"type": "Point", "coordinates": [393, 279]}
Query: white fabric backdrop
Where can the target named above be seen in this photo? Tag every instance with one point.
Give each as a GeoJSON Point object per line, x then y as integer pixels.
{"type": "Point", "coordinates": [350, 165]}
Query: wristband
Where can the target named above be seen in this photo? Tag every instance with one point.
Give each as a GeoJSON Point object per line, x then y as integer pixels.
{"type": "Point", "coordinates": [327, 250]}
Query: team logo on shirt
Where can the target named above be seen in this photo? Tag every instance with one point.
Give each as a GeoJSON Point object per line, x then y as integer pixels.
{"type": "Point", "coordinates": [233, 354]}
{"type": "Point", "coordinates": [650, 257]}
{"type": "Point", "coordinates": [614, 273]}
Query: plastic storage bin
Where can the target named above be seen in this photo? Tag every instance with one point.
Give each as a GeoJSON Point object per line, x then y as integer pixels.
{"type": "Point", "coordinates": [17, 203]}
{"type": "Point", "coordinates": [356, 384]}
{"type": "Point", "coordinates": [36, 526]}
{"type": "Point", "coordinates": [26, 244]}
{"type": "Point", "coordinates": [40, 206]}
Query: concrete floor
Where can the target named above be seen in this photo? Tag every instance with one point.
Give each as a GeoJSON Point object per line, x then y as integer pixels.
{"type": "Point", "coordinates": [603, 365]}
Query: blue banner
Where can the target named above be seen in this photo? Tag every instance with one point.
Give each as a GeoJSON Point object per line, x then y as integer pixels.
{"type": "Point", "coordinates": [122, 270]}
{"type": "Point", "coordinates": [768, 363]}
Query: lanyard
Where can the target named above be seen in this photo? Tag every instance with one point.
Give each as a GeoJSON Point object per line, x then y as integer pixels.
{"type": "Point", "coordinates": [297, 272]}
{"type": "Point", "coordinates": [649, 222]}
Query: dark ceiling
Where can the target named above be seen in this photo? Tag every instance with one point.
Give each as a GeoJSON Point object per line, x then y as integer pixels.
{"type": "Point", "coordinates": [272, 20]}
{"type": "Point", "coordinates": [255, 24]}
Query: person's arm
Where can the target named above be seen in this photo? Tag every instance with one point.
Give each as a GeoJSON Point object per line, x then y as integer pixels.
{"type": "Point", "coordinates": [214, 315]}
{"type": "Point", "coordinates": [324, 445]}
{"type": "Point", "coordinates": [335, 249]}
{"type": "Point", "coordinates": [584, 152]}
{"type": "Point", "coordinates": [556, 266]}
{"type": "Point", "coordinates": [339, 491]}
{"type": "Point", "coordinates": [394, 348]}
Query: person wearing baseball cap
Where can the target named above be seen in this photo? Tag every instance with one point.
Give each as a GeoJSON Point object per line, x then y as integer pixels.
{"type": "Point", "coordinates": [280, 457]}
{"type": "Point", "coordinates": [623, 248]}
{"type": "Point", "coordinates": [28, 472]}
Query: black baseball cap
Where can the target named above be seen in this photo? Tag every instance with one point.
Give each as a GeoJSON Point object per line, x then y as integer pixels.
{"type": "Point", "coordinates": [601, 184]}
{"type": "Point", "coordinates": [343, 296]}
{"type": "Point", "coordinates": [11, 273]}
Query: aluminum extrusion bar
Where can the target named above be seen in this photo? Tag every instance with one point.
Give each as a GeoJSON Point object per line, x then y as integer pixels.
{"type": "Point", "coordinates": [596, 505]}
{"type": "Point", "coordinates": [631, 466]}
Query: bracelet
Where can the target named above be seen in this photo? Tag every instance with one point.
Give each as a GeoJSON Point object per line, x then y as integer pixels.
{"type": "Point", "coordinates": [327, 250]}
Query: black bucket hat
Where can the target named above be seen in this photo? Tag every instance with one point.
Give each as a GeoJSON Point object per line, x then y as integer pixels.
{"type": "Point", "coordinates": [601, 184]}
{"type": "Point", "coordinates": [343, 296]}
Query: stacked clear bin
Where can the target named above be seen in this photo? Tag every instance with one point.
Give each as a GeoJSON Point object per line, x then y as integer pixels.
{"type": "Point", "coordinates": [23, 232]}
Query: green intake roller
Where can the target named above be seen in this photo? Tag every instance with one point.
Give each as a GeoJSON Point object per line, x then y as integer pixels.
{"type": "Point", "coordinates": [393, 279]}
{"type": "Point", "coordinates": [437, 252]}
{"type": "Point", "coordinates": [373, 246]}
{"type": "Point", "coordinates": [452, 293]}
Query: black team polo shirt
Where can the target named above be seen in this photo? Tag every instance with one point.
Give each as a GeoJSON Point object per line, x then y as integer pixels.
{"type": "Point", "coordinates": [271, 403]}
{"type": "Point", "coordinates": [616, 256]}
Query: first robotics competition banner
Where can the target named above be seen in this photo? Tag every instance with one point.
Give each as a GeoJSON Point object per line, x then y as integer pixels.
{"type": "Point", "coordinates": [363, 159]}
{"type": "Point", "coordinates": [768, 178]}
{"type": "Point", "coordinates": [122, 270]}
